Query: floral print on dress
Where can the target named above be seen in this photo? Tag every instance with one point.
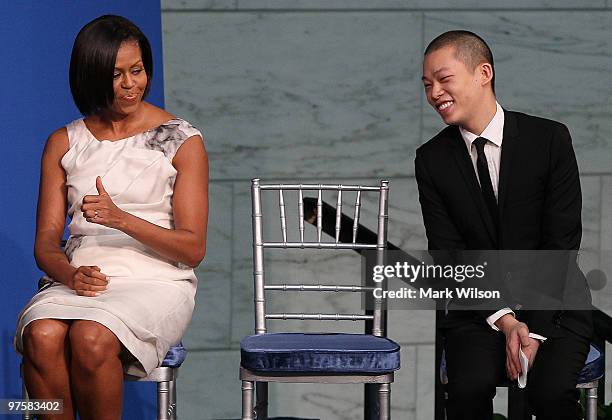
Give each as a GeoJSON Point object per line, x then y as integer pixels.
{"type": "Point", "coordinates": [168, 137]}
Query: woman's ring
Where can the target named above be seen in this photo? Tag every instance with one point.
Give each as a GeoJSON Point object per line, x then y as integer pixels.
{"type": "Point", "coordinates": [95, 214]}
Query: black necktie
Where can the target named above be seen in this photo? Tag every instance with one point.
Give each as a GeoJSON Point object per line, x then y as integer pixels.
{"type": "Point", "coordinates": [486, 186]}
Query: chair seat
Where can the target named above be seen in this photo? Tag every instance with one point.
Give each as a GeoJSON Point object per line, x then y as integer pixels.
{"type": "Point", "coordinates": [319, 352]}
{"type": "Point", "coordinates": [175, 357]}
{"type": "Point", "coordinates": [593, 367]}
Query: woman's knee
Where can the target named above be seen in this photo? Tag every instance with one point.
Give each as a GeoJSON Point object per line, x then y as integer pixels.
{"type": "Point", "coordinates": [92, 344]}
{"type": "Point", "coordinates": [44, 340]}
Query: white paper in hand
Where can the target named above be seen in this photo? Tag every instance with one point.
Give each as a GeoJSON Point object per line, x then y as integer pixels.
{"type": "Point", "coordinates": [522, 379]}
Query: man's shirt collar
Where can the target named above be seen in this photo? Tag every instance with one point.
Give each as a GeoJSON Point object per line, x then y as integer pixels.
{"type": "Point", "coordinates": [494, 131]}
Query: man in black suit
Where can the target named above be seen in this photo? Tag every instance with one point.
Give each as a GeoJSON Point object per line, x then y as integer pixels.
{"type": "Point", "coordinates": [500, 180]}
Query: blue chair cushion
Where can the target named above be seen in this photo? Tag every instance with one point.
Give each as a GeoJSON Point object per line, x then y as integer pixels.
{"type": "Point", "coordinates": [175, 357]}
{"type": "Point", "coordinates": [319, 353]}
{"type": "Point", "coordinates": [593, 367]}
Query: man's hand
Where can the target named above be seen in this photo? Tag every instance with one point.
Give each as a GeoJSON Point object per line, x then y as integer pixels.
{"type": "Point", "coordinates": [517, 335]}
{"type": "Point", "coordinates": [531, 350]}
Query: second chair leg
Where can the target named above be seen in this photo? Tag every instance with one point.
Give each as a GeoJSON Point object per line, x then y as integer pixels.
{"type": "Point", "coordinates": [384, 401]}
{"type": "Point", "coordinates": [591, 403]}
{"type": "Point", "coordinates": [163, 400]}
{"type": "Point", "coordinates": [247, 400]}
{"type": "Point", "coordinates": [261, 407]}
{"type": "Point", "coordinates": [172, 398]}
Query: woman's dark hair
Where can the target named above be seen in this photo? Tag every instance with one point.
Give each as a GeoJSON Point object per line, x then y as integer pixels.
{"type": "Point", "coordinates": [93, 59]}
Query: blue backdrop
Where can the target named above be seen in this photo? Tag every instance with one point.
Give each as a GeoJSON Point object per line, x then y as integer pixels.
{"type": "Point", "coordinates": [36, 38]}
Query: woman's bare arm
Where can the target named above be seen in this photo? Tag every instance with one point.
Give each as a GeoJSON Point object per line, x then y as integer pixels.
{"type": "Point", "coordinates": [51, 211]}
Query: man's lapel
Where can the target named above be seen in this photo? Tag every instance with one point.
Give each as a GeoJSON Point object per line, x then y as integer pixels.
{"type": "Point", "coordinates": [509, 145]}
{"type": "Point", "coordinates": [466, 168]}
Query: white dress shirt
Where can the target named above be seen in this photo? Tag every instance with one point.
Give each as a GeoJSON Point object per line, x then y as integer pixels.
{"type": "Point", "coordinates": [494, 133]}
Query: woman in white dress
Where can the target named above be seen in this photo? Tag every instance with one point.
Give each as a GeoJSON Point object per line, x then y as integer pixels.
{"type": "Point", "coordinates": [134, 181]}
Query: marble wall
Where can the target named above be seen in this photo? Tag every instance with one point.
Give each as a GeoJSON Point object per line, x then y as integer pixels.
{"type": "Point", "coordinates": [330, 90]}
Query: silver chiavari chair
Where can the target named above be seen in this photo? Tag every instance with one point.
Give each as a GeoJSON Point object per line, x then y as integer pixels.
{"type": "Point", "coordinates": [293, 357]}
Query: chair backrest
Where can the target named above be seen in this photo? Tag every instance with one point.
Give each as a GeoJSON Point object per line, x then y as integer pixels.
{"type": "Point", "coordinates": [334, 243]}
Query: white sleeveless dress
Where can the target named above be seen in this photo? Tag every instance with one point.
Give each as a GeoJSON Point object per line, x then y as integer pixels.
{"type": "Point", "coordinates": [149, 300]}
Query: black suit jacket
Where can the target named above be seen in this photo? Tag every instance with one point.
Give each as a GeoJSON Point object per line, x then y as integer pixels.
{"type": "Point", "coordinates": [539, 202]}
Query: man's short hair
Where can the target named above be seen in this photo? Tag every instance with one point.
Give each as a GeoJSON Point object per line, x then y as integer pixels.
{"type": "Point", "coordinates": [470, 49]}
{"type": "Point", "coordinates": [92, 63]}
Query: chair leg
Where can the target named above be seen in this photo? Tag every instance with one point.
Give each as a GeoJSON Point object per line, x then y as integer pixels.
{"type": "Point", "coordinates": [591, 403]}
{"type": "Point", "coordinates": [261, 407]}
{"type": "Point", "coordinates": [247, 400]}
{"type": "Point", "coordinates": [172, 397]}
{"type": "Point", "coordinates": [163, 400]}
{"type": "Point", "coordinates": [384, 402]}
